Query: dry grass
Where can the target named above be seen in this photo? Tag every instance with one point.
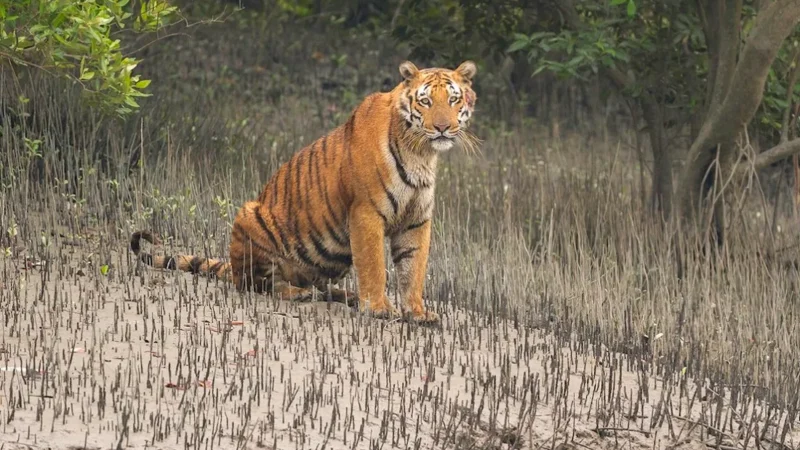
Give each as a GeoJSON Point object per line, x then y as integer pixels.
{"type": "Point", "coordinates": [565, 322]}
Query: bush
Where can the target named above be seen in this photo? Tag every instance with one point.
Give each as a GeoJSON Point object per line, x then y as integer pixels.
{"type": "Point", "coordinates": [81, 40]}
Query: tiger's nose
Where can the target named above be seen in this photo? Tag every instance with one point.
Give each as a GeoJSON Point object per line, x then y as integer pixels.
{"type": "Point", "coordinates": [441, 127]}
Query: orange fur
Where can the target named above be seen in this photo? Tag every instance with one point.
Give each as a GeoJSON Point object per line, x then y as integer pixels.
{"type": "Point", "coordinates": [332, 205]}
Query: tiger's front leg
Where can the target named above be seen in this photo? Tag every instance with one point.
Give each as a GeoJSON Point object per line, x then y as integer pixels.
{"type": "Point", "coordinates": [366, 243]}
{"type": "Point", "coordinates": [410, 249]}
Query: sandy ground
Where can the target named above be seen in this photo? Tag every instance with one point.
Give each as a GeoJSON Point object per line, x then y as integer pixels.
{"type": "Point", "coordinates": [164, 360]}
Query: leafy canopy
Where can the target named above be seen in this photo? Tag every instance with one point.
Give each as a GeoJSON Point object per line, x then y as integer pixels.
{"type": "Point", "coordinates": [79, 40]}
{"type": "Point", "coordinates": [661, 46]}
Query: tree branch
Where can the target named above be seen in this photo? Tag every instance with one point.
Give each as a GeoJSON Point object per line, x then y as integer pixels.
{"type": "Point", "coordinates": [779, 152]}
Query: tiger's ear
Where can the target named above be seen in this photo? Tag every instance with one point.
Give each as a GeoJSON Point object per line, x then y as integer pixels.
{"type": "Point", "coordinates": [408, 70]}
{"type": "Point", "coordinates": [467, 70]}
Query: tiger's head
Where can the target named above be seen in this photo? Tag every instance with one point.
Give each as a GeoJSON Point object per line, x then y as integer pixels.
{"type": "Point", "coordinates": [437, 104]}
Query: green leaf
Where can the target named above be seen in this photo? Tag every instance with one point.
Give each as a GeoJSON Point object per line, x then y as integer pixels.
{"type": "Point", "coordinates": [631, 8]}
{"type": "Point", "coordinates": [58, 20]}
{"type": "Point", "coordinates": [540, 35]}
{"type": "Point", "coordinates": [65, 33]}
{"type": "Point", "coordinates": [104, 269]}
{"type": "Point", "coordinates": [517, 45]}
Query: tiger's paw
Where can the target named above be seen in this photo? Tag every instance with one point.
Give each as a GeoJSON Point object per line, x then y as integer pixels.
{"type": "Point", "coordinates": [425, 316]}
{"type": "Point", "coordinates": [383, 310]}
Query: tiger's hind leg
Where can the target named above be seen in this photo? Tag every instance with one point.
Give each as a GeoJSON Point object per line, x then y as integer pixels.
{"type": "Point", "coordinates": [250, 273]}
{"type": "Point", "coordinates": [254, 253]}
{"type": "Point", "coordinates": [258, 264]}
{"type": "Point", "coordinates": [333, 294]}
{"type": "Point", "coordinates": [275, 278]}
{"type": "Point", "coordinates": [285, 291]}
{"type": "Point", "coordinates": [298, 284]}
{"type": "Point", "coordinates": [292, 283]}
{"type": "Point", "coordinates": [254, 268]}
{"type": "Point", "coordinates": [285, 281]}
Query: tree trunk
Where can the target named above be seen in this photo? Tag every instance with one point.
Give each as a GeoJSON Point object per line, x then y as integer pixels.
{"type": "Point", "coordinates": [739, 101]}
{"type": "Point", "coordinates": [661, 195]}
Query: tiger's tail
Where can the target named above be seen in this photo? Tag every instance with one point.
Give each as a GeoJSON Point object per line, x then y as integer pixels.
{"type": "Point", "coordinates": [186, 263]}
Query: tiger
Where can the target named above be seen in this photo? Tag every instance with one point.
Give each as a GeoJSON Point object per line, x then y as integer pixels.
{"type": "Point", "coordinates": [334, 203]}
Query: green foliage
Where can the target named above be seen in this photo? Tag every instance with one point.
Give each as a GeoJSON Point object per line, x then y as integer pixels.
{"type": "Point", "coordinates": [776, 92]}
{"type": "Point", "coordinates": [661, 46]}
{"type": "Point", "coordinates": [582, 51]}
{"type": "Point", "coordinates": [630, 6]}
{"type": "Point", "coordinates": [299, 8]}
{"type": "Point", "coordinates": [78, 40]}
{"type": "Point", "coordinates": [647, 44]}
{"type": "Point", "coordinates": [452, 30]}
{"type": "Point", "coordinates": [434, 31]}
{"type": "Point", "coordinates": [431, 28]}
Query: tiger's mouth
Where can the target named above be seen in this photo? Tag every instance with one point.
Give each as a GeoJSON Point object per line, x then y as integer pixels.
{"type": "Point", "coordinates": [442, 143]}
